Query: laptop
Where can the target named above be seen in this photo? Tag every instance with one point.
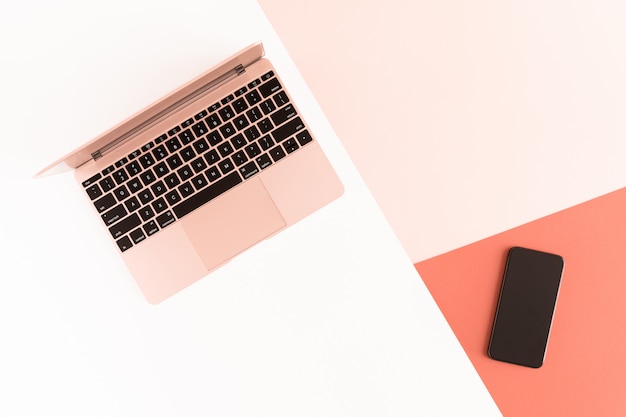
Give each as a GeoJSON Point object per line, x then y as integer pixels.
{"type": "Point", "coordinates": [204, 173]}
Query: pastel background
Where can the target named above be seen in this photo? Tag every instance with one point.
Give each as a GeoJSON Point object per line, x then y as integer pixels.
{"type": "Point", "coordinates": [467, 118]}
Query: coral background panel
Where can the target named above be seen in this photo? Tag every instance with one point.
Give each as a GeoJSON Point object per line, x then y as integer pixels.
{"type": "Point", "coordinates": [584, 373]}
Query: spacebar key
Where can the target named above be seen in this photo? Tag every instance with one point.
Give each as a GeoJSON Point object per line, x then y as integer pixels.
{"type": "Point", "coordinates": [207, 194]}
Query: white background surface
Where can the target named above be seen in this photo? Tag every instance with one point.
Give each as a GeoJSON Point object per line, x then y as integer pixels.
{"type": "Point", "coordinates": [328, 318]}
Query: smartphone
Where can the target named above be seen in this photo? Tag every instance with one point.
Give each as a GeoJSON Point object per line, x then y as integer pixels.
{"type": "Point", "coordinates": [528, 295]}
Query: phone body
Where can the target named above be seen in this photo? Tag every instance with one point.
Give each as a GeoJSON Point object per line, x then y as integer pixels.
{"type": "Point", "coordinates": [528, 296]}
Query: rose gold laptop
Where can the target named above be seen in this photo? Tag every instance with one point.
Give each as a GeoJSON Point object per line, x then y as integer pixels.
{"type": "Point", "coordinates": [203, 174]}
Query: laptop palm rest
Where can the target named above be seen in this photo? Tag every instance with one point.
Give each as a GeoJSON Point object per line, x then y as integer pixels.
{"type": "Point", "coordinates": [232, 223]}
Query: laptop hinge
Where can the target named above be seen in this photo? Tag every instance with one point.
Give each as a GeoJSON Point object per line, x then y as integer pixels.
{"type": "Point", "coordinates": [236, 71]}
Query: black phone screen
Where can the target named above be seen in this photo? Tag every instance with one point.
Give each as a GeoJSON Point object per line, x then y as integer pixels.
{"type": "Point", "coordinates": [527, 301]}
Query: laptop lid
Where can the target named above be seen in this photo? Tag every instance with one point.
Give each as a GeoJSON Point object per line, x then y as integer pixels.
{"type": "Point", "coordinates": [145, 118]}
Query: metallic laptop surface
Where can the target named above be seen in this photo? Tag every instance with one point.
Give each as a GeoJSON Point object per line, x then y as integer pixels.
{"type": "Point", "coordinates": [204, 173]}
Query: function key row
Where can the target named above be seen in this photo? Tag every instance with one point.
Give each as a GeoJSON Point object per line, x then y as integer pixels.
{"type": "Point", "coordinates": [200, 129]}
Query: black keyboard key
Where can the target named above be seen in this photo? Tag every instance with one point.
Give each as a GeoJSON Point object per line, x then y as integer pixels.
{"type": "Point", "coordinates": [146, 213]}
{"type": "Point", "coordinates": [124, 243]}
{"type": "Point", "coordinates": [187, 123]}
{"type": "Point", "coordinates": [211, 157]}
{"type": "Point", "coordinates": [158, 188]}
{"type": "Point", "coordinates": [186, 189]}
{"type": "Point", "coordinates": [226, 165]}
{"type": "Point", "coordinates": [213, 121]}
{"type": "Point", "coordinates": [238, 141]}
{"type": "Point", "coordinates": [151, 228]}
{"type": "Point", "coordinates": [147, 146]}
{"type": "Point", "coordinates": [200, 129]}
{"type": "Point", "coordinates": [225, 149]}
{"type": "Point", "coordinates": [113, 215]}
{"type": "Point", "coordinates": [145, 196]}
{"type": "Point", "coordinates": [270, 87]}
{"type": "Point", "coordinates": [160, 152]}
{"type": "Point", "coordinates": [252, 133]}
{"type": "Point", "coordinates": [240, 91]}
{"type": "Point", "coordinates": [304, 137]}
{"type": "Point", "coordinates": [137, 236]}
{"type": "Point", "coordinates": [228, 99]}
{"type": "Point", "coordinates": [264, 161]}
{"type": "Point", "coordinates": [108, 170]}
{"type": "Point", "coordinates": [199, 181]}
{"type": "Point", "coordinates": [187, 153]}
{"type": "Point", "coordinates": [146, 160]}
{"type": "Point", "coordinates": [288, 129]}
{"type": "Point", "coordinates": [226, 113]}
{"type": "Point", "coordinates": [91, 180]}
{"type": "Point", "coordinates": [105, 203]}
{"type": "Point", "coordinates": [132, 204]}
{"type": "Point", "coordinates": [161, 169]}
{"type": "Point", "coordinates": [165, 219]}
{"type": "Point", "coordinates": [248, 170]}
{"type": "Point", "coordinates": [214, 138]}
{"type": "Point", "coordinates": [173, 144]}
{"type": "Point", "coordinates": [267, 106]}
{"type": "Point", "coordinates": [207, 194]}
{"type": "Point", "coordinates": [253, 150]}
{"type": "Point", "coordinates": [173, 130]}
{"type": "Point", "coordinates": [134, 154]}
{"type": "Point", "coordinates": [107, 184]}
{"type": "Point", "coordinates": [241, 122]}
{"type": "Point", "coordinates": [267, 75]}
{"type": "Point", "coordinates": [185, 173]}
{"type": "Point", "coordinates": [134, 185]}
{"type": "Point", "coordinates": [254, 83]}
{"type": "Point", "coordinates": [281, 99]}
{"type": "Point", "coordinates": [160, 138]}
{"type": "Point", "coordinates": [120, 176]}
{"type": "Point", "coordinates": [198, 165]}
{"type": "Point", "coordinates": [172, 197]}
{"type": "Point", "coordinates": [172, 180]}
{"type": "Point", "coordinates": [133, 168]}
{"type": "Point", "coordinates": [291, 145]}
{"type": "Point", "coordinates": [254, 114]}
{"type": "Point", "coordinates": [121, 193]}
{"type": "Point", "coordinates": [186, 136]}
{"type": "Point", "coordinates": [277, 153]}
{"type": "Point", "coordinates": [174, 161]}
{"type": "Point", "coordinates": [121, 228]}
{"type": "Point", "coordinates": [159, 205]}
{"type": "Point", "coordinates": [284, 114]}
{"type": "Point", "coordinates": [265, 125]}
{"type": "Point", "coordinates": [121, 162]}
{"type": "Point", "coordinates": [201, 146]}
{"type": "Point", "coordinates": [213, 174]}
{"type": "Point", "coordinates": [240, 105]}
{"type": "Point", "coordinates": [214, 107]}
{"type": "Point", "coordinates": [94, 191]}
{"type": "Point", "coordinates": [239, 158]}
{"type": "Point", "coordinates": [266, 142]}
{"type": "Point", "coordinates": [201, 115]}
{"type": "Point", "coordinates": [147, 177]}
{"type": "Point", "coordinates": [227, 130]}
{"type": "Point", "coordinates": [253, 97]}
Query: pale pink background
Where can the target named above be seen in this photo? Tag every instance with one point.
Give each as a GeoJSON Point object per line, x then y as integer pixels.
{"type": "Point", "coordinates": [466, 118]}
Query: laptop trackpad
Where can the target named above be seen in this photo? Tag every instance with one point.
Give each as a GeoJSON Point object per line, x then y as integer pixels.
{"type": "Point", "coordinates": [232, 223]}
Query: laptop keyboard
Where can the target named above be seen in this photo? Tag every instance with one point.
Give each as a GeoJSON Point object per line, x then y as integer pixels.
{"type": "Point", "coordinates": [197, 160]}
